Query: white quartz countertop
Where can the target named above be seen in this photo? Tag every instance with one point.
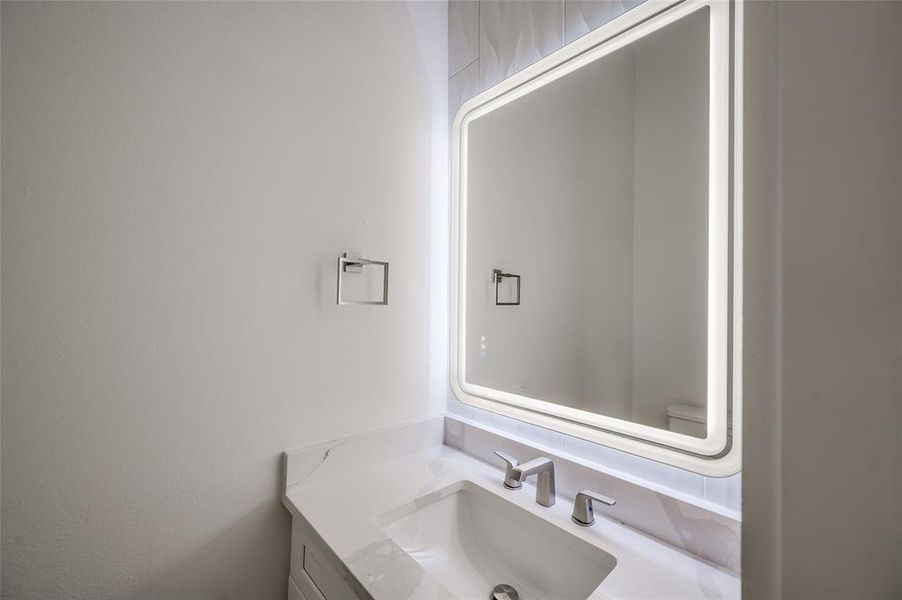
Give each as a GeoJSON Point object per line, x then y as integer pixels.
{"type": "Point", "coordinates": [340, 488]}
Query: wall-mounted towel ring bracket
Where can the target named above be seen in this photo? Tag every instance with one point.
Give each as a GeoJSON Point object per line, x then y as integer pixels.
{"type": "Point", "coordinates": [350, 264]}
{"type": "Point", "coordinates": [497, 277]}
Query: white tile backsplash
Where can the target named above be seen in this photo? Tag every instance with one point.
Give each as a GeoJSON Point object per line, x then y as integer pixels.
{"type": "Point", "coordinates": [722, 492]}
{"type": "Point", "coordinates": [726, 491]}
{"type": "Point", "coordinates": [678, 516]}
{"type": "Point", "coordinates": [669, 477]}
{"type": "Point", "coordinates": [545, 437]}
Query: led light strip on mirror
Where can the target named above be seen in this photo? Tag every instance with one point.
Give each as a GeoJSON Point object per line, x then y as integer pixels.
{"type": "Point", "coordinates": [718, 453]}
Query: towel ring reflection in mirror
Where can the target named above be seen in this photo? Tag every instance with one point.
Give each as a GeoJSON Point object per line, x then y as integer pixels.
{"type": "Point", "coordinates": [498, 277]}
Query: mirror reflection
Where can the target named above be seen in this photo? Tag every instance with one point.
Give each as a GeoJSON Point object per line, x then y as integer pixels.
{"type": "Point", "coordinates": [587, 217]}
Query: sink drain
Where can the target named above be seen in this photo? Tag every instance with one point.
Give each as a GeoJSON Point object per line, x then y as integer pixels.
{"type": "Point", "coordinates": [502, 591]}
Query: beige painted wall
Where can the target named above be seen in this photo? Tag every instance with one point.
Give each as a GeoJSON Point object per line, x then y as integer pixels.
{"type": "Point", "coordinates": [823, 404]}
{"type": "Point", "coordinates": [178, 179]}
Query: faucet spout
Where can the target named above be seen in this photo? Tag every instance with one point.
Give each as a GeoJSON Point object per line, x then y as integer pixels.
{"type": "Point", "coordinates": [544, 468]}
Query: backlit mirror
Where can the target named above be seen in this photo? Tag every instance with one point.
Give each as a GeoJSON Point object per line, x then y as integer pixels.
{"type": "Point", "coordinates": [592, 212]}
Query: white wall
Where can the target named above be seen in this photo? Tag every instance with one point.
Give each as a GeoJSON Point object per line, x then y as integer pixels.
{"type": "Point", "coordinates": [178, 179]}
{"type": "Point", "coordinates": [822, 447]}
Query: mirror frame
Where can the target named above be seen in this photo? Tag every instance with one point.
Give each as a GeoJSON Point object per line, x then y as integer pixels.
{"type": "Point", "coordinates": [719, 453]}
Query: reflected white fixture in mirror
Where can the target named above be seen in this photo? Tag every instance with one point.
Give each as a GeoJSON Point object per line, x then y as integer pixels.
{"type": "Point", "coordinates": [606, 177]}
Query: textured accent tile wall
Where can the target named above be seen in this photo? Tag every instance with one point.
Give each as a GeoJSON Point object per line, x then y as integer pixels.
{"type": "Point", "coordinates": [463, 34]}
{"type": "Point", "coordinates": [513, 35]}
{"type": "Point", "coordinates": [462, 87]}
{"type": "Point", "coordinates": [582, 16]}
{"type": "Point", "coordinates": [490, 40]}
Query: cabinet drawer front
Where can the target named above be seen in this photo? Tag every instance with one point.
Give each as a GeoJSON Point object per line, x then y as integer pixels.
{"type": "Point", "coordinates": [302, 588]}
{"type": "Point", "coordinates": [324, 576]}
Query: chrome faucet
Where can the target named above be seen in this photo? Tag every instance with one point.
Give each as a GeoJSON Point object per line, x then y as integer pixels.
{"type": "Point", "coordinates": [583, 513]}
{"type": "Point", "coordinates": [509, 481]}
{"type": "Point", "coordinates": [545, 486]}
{"type": "Point", "coordinates": [516, 474]}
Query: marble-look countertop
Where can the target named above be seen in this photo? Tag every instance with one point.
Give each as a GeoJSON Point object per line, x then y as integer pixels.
{"type": "Point", "coordinates": [340, 487]}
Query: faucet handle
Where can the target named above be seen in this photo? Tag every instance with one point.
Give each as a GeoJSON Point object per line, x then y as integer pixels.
{"type": "Point", "coordinates": [510, 482]}
{"type": "Point", "coordinates": [583, 512]}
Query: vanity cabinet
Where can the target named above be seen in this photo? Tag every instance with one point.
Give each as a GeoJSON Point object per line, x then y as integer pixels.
{"type": "Point", "coordinates": [316, 573]}
{"type": "Point", "coordinates": [294, 593]}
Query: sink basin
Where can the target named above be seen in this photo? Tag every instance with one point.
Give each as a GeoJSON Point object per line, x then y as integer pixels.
{"type": "Point", "coordinates": [472, 540]}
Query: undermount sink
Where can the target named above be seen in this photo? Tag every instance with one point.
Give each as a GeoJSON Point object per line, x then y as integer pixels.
{"type": "Point", "coordinates": [472, 540]}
